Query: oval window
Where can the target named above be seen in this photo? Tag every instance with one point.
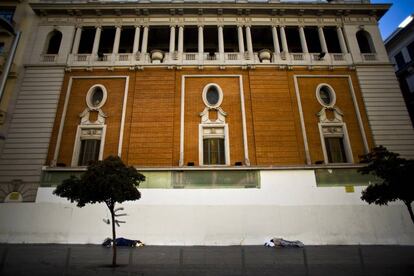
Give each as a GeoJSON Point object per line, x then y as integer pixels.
{"type": "Point", "coordinates": [97, 97]}
{"type": "Point", "coordinates": [212, 95]}
{"type": "Point", "coordinates": [325, 95]}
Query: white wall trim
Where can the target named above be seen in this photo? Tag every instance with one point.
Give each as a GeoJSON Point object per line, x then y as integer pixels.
{"type": "Point", "coordinates": [244, 130]}
{"type": "Point", "coordinates": [65, 107]}
{"type": "Point", "coordinates": [302, 121]}
{"type": "Point", "coordinates": [124, 106]}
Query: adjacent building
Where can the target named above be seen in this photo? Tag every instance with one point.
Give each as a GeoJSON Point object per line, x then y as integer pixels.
{"type": "Point", "coordinates": [239, 113]}
{"type": "Point", "coordinates": [400, 47]}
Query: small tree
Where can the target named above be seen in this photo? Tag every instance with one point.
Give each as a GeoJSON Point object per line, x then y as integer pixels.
{"type": "Point", "coordinates": [108, 181]}
{"type": "Point", "coordinates": [395, 176]}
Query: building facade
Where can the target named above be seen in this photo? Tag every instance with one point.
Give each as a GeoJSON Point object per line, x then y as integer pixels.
{"type": "Point", "coordinates": [400, 47]}
{"type": "Point", "coordinates": [239, 108]}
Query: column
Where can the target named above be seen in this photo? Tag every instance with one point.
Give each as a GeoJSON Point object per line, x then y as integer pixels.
{"type": "Point", "coordinates": [249, 40]}
{"type": "Point", "coordinates": [172, 40]}
{"type": "Point", "coordinates": [76, 41]}
{"type": "Point", "coordinates": [275, 40]}
{"type": "Point", "coordinates": [115, 49]}
{"type": "Point", "coordinates": [180, 39]}
{"type": "Point", "coordinates": [285, 47]}
{"type": "Point", "coordinates": [95, 47]}
{"type": "Point", "coordinates": [136, 39]}
{"type": "Point", "coordinates": [341, 39]}
{"type": "Point", "coordinates": [200, 43]}
{"type": "Point", "coordinates": [303, 40]}
{"type": "Point", "coordinates": [221, 42]}
{"type": "Point", "coordinates": [144, 40]}
{"type": "Point", "coordinates": [240, 39]}
{"type": "Point", "coordinates": [324, 47]}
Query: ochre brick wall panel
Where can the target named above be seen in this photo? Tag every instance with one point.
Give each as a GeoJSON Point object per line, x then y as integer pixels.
{"type": "Point", "coordinates": [152, 121]}
{"type": "Point", "coordinates": [311, 107]}
{"type": "Point", "coordinates": [275, 128]}
{"type": "Point", "coordinates": [194, 105]}
{"type": "Point", "coordinates": [76, 105]}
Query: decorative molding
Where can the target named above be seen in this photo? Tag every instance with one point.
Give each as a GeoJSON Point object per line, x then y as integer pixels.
{"type": "Point", "coordinates": [65, 108]}
{"type": "Point", "coordinates": [356, 107]}
{"type": "Point", "coordinates": [243, 113]}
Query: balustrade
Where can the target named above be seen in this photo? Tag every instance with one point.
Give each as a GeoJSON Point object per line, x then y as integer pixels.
{"type": "Point", "coordinates": [278, 53]}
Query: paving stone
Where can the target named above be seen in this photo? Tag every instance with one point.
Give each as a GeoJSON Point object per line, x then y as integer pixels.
{"type": "Point", "coordinates": [156, 255]}
{"type": "Point", "coordinates": [289, 256]}
{"type": "Point", "coordinates": [332, 255]}
{"type": "Point", "coordinates": [267, 255]}
{"type": "Point", "coordinates": [388, 254]}
{"type": "Point", "coordinates": [34, 259]}
{"type": "Point", "coordinates": [226, 255]}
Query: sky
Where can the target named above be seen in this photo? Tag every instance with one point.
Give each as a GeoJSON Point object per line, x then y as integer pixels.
{"type": "Point", "coordinates": [398, 12]}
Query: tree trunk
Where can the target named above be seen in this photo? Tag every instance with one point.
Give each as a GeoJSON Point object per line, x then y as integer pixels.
{"type": "Point", "coordinates": [113, 237]}
{"type": "Point", "coordinates": [410, 210]}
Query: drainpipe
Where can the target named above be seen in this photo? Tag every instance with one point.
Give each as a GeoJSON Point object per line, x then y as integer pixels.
{"type": "Point", "coordinates": [9, 62]}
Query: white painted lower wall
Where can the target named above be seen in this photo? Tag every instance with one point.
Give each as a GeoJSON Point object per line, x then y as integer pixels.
{"type": "Point", "coordinates": [288, 205]}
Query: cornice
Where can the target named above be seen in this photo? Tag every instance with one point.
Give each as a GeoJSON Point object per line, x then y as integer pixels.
{"type": "Point", "coordinates": [170, 9]}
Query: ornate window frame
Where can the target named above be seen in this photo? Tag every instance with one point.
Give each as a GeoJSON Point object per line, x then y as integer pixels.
{"type": "Point", "coordinates": [85, 128]}
{"type": "Point", "coordinates": [224, 135]}
{"type": "Point", "coordinates": [337, 130]}
{"type": "Point", "coordinates": [80, 135]}
{"type": "Point", "coordinates": [218, 124]}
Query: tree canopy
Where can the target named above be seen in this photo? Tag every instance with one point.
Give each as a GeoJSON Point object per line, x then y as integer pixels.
{"type": "Point", "coordinates": [108, 181]}
{"type": "Point", "coordinates": [395, 177]}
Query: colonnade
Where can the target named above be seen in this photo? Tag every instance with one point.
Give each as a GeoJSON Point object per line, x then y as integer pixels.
{"type": "Point", "coordinates": [276, 30]}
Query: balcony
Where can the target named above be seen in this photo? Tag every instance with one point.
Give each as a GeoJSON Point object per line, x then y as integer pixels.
{"type": "Point", "coordinates": [369, 57]}
{"type": "Point", "coordinates": [197, 59]}
{"type": "Point", "coordinates": [49, 58]}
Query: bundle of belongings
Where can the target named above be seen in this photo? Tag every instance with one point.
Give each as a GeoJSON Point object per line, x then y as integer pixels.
{"type": "Point", "coordinates": [122, 242]}
{"type": "Point", "coordinates": [278, 242]}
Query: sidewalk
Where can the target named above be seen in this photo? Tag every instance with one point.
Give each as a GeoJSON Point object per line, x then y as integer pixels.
{"type": "Point", "coordinates": [82, 260]}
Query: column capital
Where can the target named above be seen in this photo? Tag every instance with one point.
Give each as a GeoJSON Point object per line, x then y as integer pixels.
{"type": "Point", "coordinates": [118, 26]}
{"type": "Point", "coordinates": [137, 26]}
{"type": "Point", "coordinates": [77, 26]}
{"type": "Point", "coordinates": [98, 26]}
{"type": "Point", "coordinates": [200, 25]}
{"type": "Point", "coordinates": [173, 26]}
